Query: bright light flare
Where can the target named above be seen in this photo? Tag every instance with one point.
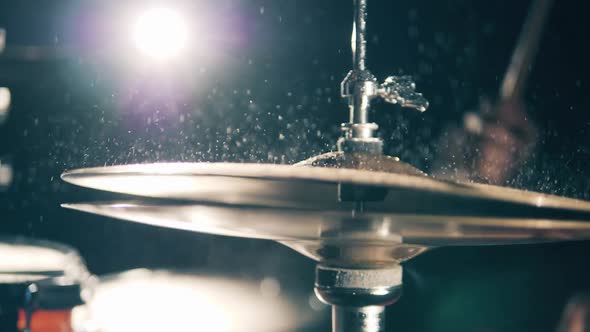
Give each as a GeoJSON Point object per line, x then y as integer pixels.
{"type": "Point", "coordinates": [156, 301]}
{"type": "Point", "coordinates": [160, 33]}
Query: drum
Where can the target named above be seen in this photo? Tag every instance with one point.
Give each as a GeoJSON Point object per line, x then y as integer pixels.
{"type": "Point", "coordinates": [163, 300]}
{"type": "Point", "coordinates": [39, 284]}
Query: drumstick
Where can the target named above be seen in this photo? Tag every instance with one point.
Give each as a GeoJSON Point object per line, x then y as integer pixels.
{"type": "Point", "coordinates": [516, 76]}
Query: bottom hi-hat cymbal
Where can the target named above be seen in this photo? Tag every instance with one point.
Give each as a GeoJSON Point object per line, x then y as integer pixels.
{"type": "Point", "coordinates": [367, 239]}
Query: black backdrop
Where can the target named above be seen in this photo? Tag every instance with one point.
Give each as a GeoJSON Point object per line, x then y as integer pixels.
{"type": "Point", "coordinates": [264, 88]}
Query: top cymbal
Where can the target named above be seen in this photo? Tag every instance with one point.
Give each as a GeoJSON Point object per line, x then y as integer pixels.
{"type": "Point", "coordinates": [318, 188]}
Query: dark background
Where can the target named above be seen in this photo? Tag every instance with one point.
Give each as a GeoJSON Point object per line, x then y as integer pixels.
{"type": "Point", "coordinates": [263, 86]}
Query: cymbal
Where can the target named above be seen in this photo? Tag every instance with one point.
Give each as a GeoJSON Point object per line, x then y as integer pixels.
{"type": "Point", "coordinates": [25, 260]}
{"type": "Point", "coordinates": [286, 224]}
{"type": "Point", "coordinates": [316, 210]}
{"type": "Point", "coordinates": [321, 188]}
{"type": "Point", "coordinates": [367, 239]}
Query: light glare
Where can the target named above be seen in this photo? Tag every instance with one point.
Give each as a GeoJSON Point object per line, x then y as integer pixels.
{"type": "Point", "coordinates": [160, 33]}
{"type": "Point", "coordinates": [155, 301]}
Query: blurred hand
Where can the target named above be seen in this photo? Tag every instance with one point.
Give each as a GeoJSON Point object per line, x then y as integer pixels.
{"type": "Point", "coordinates": [576, 316]}
{"type": "Point", "coordinates": [506, 141]}
{"type": "Point", "coordinates": [490, 146]}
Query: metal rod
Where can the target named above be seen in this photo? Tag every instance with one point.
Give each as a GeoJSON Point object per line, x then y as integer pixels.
{"type": "Point", "coordinates": [359, 33]}
{"type": "Point", "coordinates": [358, 319]}
{"type": "Point", "coordinates": [523, 57]}
{"type": "Point", "coordinates": [359, 112]}
{"type": "Point", "coordinates": [361, 97]}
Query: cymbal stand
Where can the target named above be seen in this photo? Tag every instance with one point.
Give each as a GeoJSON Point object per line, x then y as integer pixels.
{"type": "Point", "coordinates": [359, 295]}
{"type": "Point", "coordinates": [361, 87]}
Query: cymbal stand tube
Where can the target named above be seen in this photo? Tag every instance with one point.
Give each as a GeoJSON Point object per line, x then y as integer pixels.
{"type": "Point", "coordinates": [358, 296]}
{"type": "Point", "coordinates": [359, 35]}
{"type": "Point", "coordinates": [361, 101]}
{"type": "Point", "coordinates": [358, 319]}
